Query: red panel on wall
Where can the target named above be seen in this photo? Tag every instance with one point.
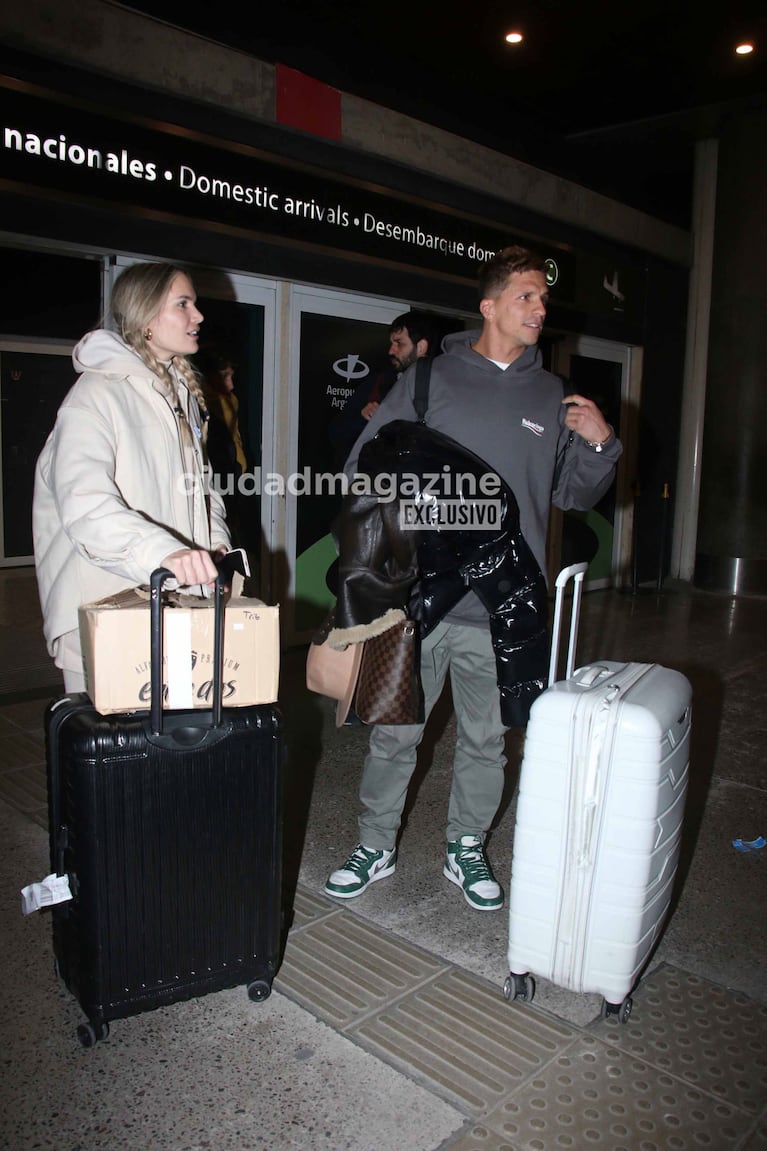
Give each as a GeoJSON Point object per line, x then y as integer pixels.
{"type": "Point", "coordinates": [307, 104]}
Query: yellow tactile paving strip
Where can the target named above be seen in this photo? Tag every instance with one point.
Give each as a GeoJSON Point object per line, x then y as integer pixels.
{"type": "Point", "coordinates": [714, 1039]}
{"type": "Point", "coordinates": [686, 1073]}
{"type": "Point", "coordinates": [343, 968]}
{"type": "Point", "coordinates": [592, 1096]}
{"type": "Point", "coordinates": [459, 1034]}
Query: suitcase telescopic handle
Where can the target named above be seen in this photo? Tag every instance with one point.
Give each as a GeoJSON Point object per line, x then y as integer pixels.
{"type": "Point", "coordinates": [574, 572]}
{"type": "Point", "coordinates": [225, 568]}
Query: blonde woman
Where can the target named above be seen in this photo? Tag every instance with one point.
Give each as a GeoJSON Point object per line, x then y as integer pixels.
{"type": "Point", "coordinates": [119, 485]}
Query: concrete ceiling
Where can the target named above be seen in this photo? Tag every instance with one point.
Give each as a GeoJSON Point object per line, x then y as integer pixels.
{"type": "Point", "coordinates": [609, 94]}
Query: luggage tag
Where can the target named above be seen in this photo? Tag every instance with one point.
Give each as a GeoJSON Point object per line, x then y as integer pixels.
{"type": "Point", "coordinates": [52, 889]}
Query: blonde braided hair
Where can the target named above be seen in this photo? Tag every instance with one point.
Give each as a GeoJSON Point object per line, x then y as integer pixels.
{"type": "Point", "coordinates": [138, 294]}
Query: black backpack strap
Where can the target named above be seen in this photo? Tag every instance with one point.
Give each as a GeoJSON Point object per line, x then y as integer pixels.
{"type": "Point", "coordinates": [421, 395]}
{"type": "Point", "coordinates": [560, 461]}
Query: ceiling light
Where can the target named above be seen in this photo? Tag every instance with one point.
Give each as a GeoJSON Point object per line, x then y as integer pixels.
{"type": "Point", "coordinates": [514, 38]}
{"type": "Point", "coordinates": [744, 49]}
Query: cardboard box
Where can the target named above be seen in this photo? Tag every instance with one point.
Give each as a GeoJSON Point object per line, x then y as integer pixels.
{"type": "Point", "coordinates": [114, 633]}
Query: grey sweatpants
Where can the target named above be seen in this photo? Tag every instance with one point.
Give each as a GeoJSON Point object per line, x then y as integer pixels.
{"type": "Point", "coordinates": [479, 760]}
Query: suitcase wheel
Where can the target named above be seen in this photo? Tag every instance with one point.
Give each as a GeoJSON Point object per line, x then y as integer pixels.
{"type": "Point", "coordinates": [622, 1010]}
{"type": "Point", "coordinates": [519, 987]}
{"type": "Point", "coordinates": [259, 990]}
{"type": "Point", "coordinates": [90, 1033]}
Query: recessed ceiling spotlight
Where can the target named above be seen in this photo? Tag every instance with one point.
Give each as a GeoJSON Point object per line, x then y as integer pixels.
{"type": "Point", "coordinates": [514, 38]}
{"type": "Point", "coordinates": [744, 49]}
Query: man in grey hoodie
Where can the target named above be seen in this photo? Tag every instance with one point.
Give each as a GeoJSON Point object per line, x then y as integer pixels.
{"type": "Point", "coordinates": [490, 393]}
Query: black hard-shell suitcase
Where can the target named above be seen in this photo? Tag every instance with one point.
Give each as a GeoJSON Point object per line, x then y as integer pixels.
{"type": "Point", "coordinates": [168, 825]}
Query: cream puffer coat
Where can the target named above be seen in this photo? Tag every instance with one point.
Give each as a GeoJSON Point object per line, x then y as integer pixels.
{"type": "Point", "coordinates": [115, 490]}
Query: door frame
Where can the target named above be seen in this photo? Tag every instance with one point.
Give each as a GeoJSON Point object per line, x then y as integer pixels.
{"type": "Point", "coordinates": [306, 299]}
{"type": "Point", "coordinates": [630, 357]}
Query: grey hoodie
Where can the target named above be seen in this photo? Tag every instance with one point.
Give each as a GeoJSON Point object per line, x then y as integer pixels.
{"type": "Point", "coordinates": [514, 420]}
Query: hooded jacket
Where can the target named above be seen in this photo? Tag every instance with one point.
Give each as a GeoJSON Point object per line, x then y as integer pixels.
{"type": "Point", "coordinates": [117, 487]}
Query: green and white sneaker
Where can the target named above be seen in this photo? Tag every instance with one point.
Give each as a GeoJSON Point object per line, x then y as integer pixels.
{"type": "Point", "coordinates": [466, 865]}
{"type": "Point", "coordinates": [362, 868]}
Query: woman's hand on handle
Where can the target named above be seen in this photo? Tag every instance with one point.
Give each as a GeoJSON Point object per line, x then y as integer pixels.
{"type": "Point", "coordinates": [191, 566]}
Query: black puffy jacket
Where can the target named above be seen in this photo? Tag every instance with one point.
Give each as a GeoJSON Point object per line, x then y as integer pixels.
{"type": "Point", "coordinates": [386, 570]}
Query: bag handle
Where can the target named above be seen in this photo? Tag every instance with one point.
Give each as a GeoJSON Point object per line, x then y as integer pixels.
{"type": "Point", "coordinates": [225, 568]}
{"type": "Point", "coordinates": [560, 461]}
{"type": "Point", "coordinates": [575, 572]}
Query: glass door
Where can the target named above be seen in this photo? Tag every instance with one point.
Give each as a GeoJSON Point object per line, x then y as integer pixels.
{"type": "Point", "coordinates": [336, 342]}
{"type": "Point", "coordinates": [609, 374]}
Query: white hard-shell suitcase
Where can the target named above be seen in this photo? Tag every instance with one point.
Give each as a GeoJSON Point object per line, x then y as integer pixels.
{"type": "Point", "coordinates": [598, 822]}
